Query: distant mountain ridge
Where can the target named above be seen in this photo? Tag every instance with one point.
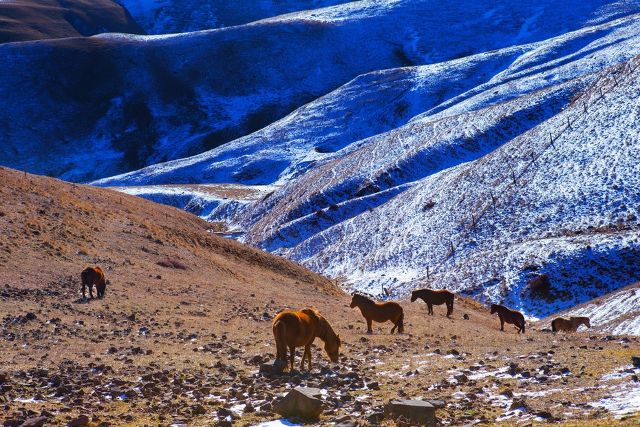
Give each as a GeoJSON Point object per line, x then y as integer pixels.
{"type": "Point", "coordinates": [23, 20]}
{"type": "Point", "coordinates": [143, 100]}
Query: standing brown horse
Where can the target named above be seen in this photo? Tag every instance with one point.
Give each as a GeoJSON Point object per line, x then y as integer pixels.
{"type": "Point", "coordinates": [434, 297]}
{"type": "Point", "coordinates": [299, 328]}
{"type": "Point", "coordinates": [569, 325]}
{"type": "Point", "coordinates": [379, 311]}
{"type": "Point", "coordinates": [93, 276]}
{"type": "Point", "coordinates": [510, 316]}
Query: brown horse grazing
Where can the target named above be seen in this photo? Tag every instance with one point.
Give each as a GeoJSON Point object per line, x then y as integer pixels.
{"type": "Point", "coordinates": [379, 311]}
{"type": "Point", "coordinates": [569, 325]}
{"type": "Point", "coordinates": [299, 328]}
{"type": "Point", "coordinates": [510, 316]}
{"type": "Point", "coordinates": [434, 297]}
{"type": "Point", "coordinates": [93, 276]}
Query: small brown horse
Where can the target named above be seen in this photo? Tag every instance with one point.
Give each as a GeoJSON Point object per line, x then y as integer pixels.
{"type": "Point", "coordinates": [93, 276]}
{"type": "Point", "coordinates": [434, 297]}
{"type": "Point", "coordinates": [569, 325]}
{"type": "Point", "coordinates": [299, 328]}
{"type": "Point", "coordinates": [379, 311]}
{"type": "Point", "coordinates": [510, 316]}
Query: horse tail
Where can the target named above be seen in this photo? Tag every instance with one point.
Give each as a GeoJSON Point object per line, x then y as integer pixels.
{"type": "Point", "coordinates": [279, 333]}
{"type": "Point", "coordinates": [401, 321]}
{"type": "Point", "coordinates": [553, 326]}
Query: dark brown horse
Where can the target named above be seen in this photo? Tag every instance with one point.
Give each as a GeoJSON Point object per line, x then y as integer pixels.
{"type": "Point", "coordinates": [510, 316]}
{"type": "Point", "coordinates": [434, 297]}
{"type": "Point", "coordinates": [93, 276]}
{"type": "Point", "coordinates": [569, 325]}
{"type": "Point", "coordinates": [379, 311]}
{"type": "Point", "coordinates": [299, 328]}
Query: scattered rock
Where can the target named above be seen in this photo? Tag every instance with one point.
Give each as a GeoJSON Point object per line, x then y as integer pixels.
{"type": "Point", "coordinates": [544, 414]}
{"type": "Point", "coordinates": [34, 422]}
{"type": "Point", "coordinates": [374, 385]}
{"type": "Point", "coordinates": [636, 361]}
{"type": "Point", "coordinates": [375, 417]}
{"type": "Point", "coordinates": [465, 316]}
{"type": "Point", "coordinates": [345, 421]}
{"type": "Point", "coordinates": [415, 411]}
{"type": "Point", "coordinates": [303, 402]}
{"type": "Point", "coordinates": [519, 403]}
{"type": "Point", "coordinates": [80, 421]}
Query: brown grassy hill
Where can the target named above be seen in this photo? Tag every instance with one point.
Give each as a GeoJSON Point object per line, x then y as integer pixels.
{"type": "Point", "coordinates": [186, 322]}
{"type": "Point", "coordinates": [22, 20]}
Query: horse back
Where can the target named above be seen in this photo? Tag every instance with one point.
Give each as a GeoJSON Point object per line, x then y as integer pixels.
{"type": "Point", "coordinates": [300, 328]}
{"type": "Point", "coordinates": [92, 275]}
{"type": "Point", "coordinates": [438, 296]}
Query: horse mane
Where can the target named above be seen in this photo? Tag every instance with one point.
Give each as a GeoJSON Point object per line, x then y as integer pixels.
{"type": "Point", "coordinates": [324, 328]}
{"type": "Point", "coordinates": [364, 297]}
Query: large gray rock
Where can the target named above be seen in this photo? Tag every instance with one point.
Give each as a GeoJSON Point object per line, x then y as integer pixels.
{"type": "Point", "coordinates": [302, 402]}
{"type": "Point", "coordinates": [416, 411]}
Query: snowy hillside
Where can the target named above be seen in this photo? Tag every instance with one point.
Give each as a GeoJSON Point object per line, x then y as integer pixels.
{"type": "Point", "coordinates": [384, 100]}
{"type": "Point", "coordinates": [568, 208]}
{"type": "Point", "coordinates": [477, 174]}
{"type": "Point", "coordinates": [137, 101]}
{"type": "Point", "coordinates": [616, 313]}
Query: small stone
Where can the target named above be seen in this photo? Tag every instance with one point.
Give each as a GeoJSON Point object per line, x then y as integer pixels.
{"type": "Point", "coordinates": [80, 421]}
{"type": "Point", "coordinates": [374, 385]}
{"type": "Point", "coordinates": [461, 378]}
{"type": "Point", "coordinates": [34, 422]}
{"type": "Point", "coordinates": [544, 414]}
{"type": "Point", "coordinates": [636, 361]}
{"type": "Point", "coordinates": [415, 411]}
{"type": "Point", "coordinates": [519, 404]}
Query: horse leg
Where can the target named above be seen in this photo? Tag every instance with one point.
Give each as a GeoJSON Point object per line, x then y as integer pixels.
{"type": "Point", "coordinates": [395, 325]}
{"type": "Point", "coordinates": [369, 330]}
{"type": "Point", "coordinates": [307, 351]}
{"type": "Point", "coordinates": [292, 350]}
{"type": "Point", "coordinates": [449, 309]}
{"type": "Point", "coordinates": [91, 290]}
{"type": "Point", "coordinates": [501, 324]}
{"type": "Point", "coordinates": [430, 309]}
{"type": "Point", "coordinates": [84, 295]}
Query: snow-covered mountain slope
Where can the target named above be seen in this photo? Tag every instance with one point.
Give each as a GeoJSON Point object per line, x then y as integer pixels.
{"type": "Point", "coordinates": [384, 100]}
{"type": "Point", "coordinates": [22, 20]}
{"type": "Point", "coordinates": [213, 202]}
{"type": "Point", "coordinates": [179, 16]}
{"type": "Point", "coordinates": [616, 313]}
{"type": "Point", "coordinates": [83, 109]}
{"type": "Point", "coordinates": [421, 197]}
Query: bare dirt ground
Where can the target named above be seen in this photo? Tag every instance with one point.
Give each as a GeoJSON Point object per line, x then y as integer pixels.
{"type": "Point", "coordinates": [186, 323]}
